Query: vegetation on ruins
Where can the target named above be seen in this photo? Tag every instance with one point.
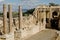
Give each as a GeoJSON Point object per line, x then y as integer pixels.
{"type": "Point", "coordinates": [53, 4]}
{"type": "Point", "coordinates": [15, 14]}
{"type": "Point", "coordinates": [28, 12]}
{"type": "Point", "coordinates": [1, 14]}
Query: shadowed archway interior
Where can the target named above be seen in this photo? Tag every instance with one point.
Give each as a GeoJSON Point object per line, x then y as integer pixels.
{"type": "Point", "coordinates": [55, 20]}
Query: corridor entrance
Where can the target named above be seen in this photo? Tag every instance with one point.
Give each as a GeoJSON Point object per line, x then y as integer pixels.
{"type": "Point", "coordinates": [55, 20]}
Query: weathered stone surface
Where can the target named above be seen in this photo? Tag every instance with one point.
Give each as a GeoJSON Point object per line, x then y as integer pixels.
{"type": "Point", "coordinates": [20, 17]}
{"type": "Point", "coordinates": [10, 17]}
{"type": "Point", "coordinates": [58, 38]}
{"type": "Point", "coordinates": [17, 35]}
{"type": "Point", "coordinates": [44, 35]}
{"type": "Point", "coordinates": [5, 19]}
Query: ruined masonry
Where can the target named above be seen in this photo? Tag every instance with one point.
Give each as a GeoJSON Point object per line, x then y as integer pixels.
{"type": "Point", "coordinates": [43, 17]}
{"type": "Point", "coordinates": [48, 16]}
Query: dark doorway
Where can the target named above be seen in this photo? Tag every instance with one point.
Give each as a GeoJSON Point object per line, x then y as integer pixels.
{"type": "Point", "coordinates": [54, 21]}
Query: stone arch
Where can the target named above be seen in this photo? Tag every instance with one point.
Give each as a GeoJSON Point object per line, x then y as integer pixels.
{"type": "Point", "coordinates": [54, 13]}
{"type": "Point", "coordinates": [55, 20]}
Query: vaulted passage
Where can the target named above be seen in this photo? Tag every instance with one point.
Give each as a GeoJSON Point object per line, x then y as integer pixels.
{"type": "Point", "coordinates": [54, 21]}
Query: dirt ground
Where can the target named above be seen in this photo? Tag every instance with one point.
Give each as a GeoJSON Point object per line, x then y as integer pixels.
{"type": "Point", "coordinates": [48, 34]}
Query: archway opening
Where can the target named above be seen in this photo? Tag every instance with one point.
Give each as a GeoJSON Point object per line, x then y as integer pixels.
{"type": "Point", "coordinates": [54, 14]}
{"type": "Point", "coordinates": [54, 20]}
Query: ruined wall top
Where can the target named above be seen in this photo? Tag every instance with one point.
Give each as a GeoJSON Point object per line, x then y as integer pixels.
{"type": "Point", "coordinates": [46, 6]}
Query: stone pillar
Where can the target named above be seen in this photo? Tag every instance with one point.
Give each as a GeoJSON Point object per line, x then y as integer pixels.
{"type": "Point", "coordinates": [51, 12]}
{"type": "Point", "coordinates": [4, 19]}
{"type": "Point", "coordinates": [20, 17]}
{"type": "Point", "coordinates": [50, 16]}
{"type": "Point", "coordinates": [44, 21]}
{"type": "Point", "coordinates": [10, 17]}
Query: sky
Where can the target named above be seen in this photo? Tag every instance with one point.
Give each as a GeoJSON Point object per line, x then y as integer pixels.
{"type": "Point", "coordinates": [27, 4]}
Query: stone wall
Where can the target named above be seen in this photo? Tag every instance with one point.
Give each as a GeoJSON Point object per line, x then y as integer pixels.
{"type": "Point", "coordinates": [44, 12]}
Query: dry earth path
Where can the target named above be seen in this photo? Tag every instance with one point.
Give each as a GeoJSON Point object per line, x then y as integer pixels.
{"type": "Point", "coordinates": [48, 34]}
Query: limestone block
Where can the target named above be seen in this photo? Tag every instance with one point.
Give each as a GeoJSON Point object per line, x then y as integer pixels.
{"type": "Point", "coordinates": [10, 37]}
{"type": "Point", "coordinates": [17, 35]}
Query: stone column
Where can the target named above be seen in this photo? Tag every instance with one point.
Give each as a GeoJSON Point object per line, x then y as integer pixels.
{"type": "Point", "coordinates": [44, 21]}
{"type": "Point", "coordinates": [50, 13]}
{"type": "Point", "coordinates": [4, 19]}
{"type": "Point", "coordinates": [20, 17]}
{"type": "Point", "coordinates": [10, 17]}
{"type": "Point", "coordinates": [50, 16]}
